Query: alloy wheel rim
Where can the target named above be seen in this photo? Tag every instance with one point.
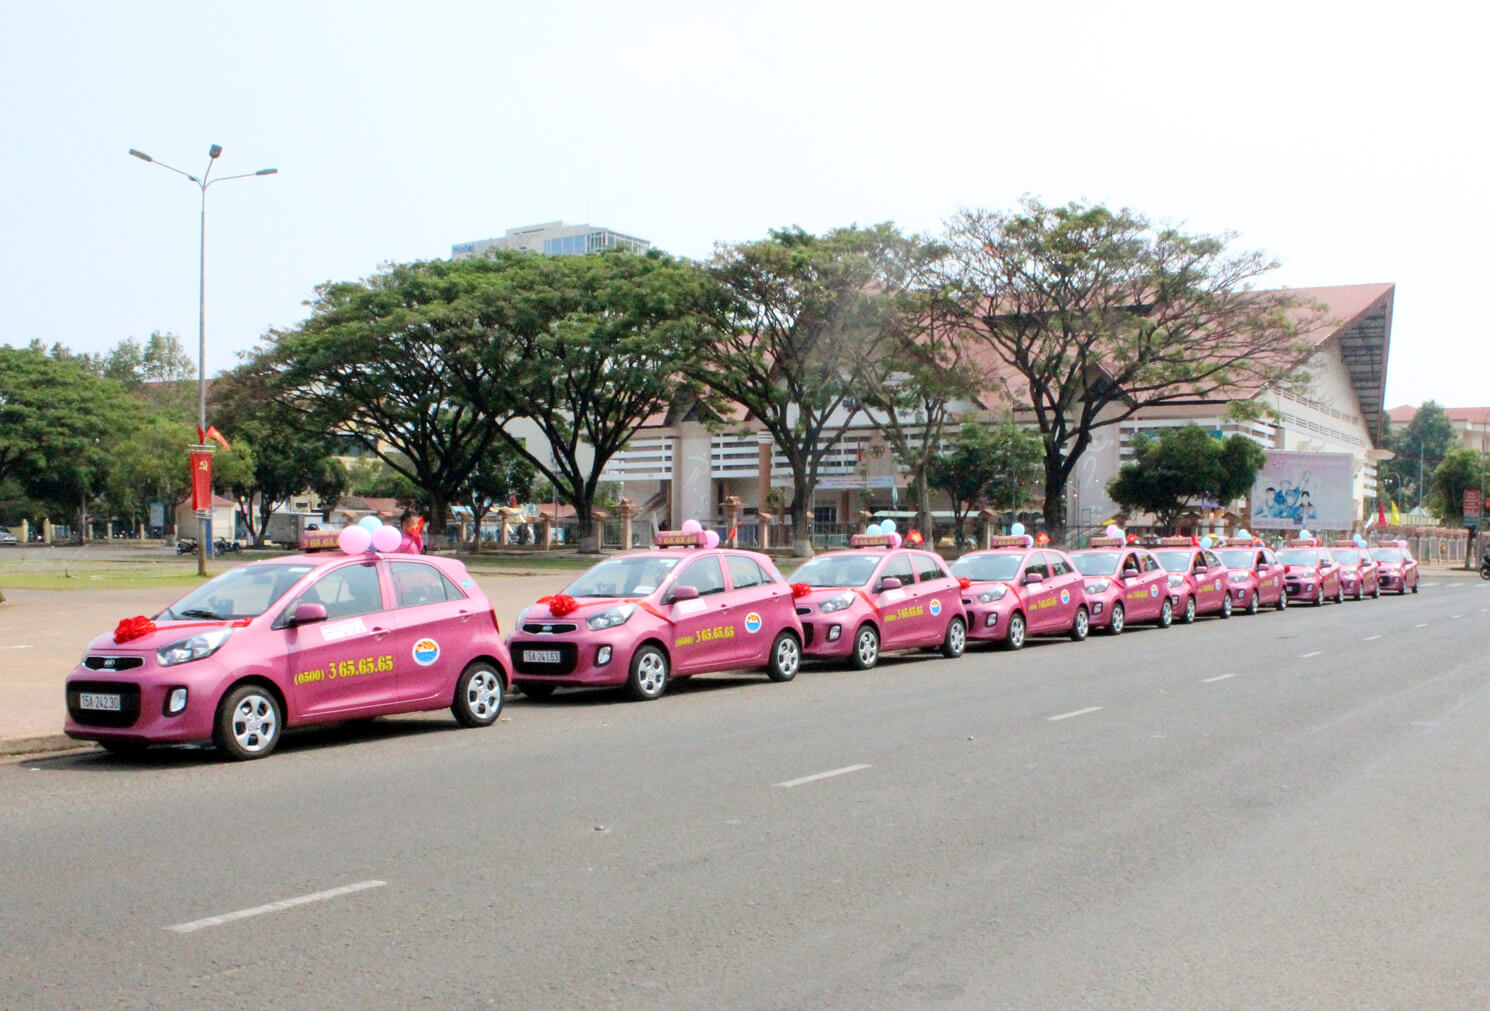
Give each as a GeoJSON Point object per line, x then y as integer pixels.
{"type": "Point", "coordinates": [254, 724]}
{"type": "Point", "coordinates": [787, 656]}
{"type": "Point", "coordinates": [650, 673]}
{"type": "Point", "coordinates": [868, 648]}
{"type": "Point", "coordinates": [484, 694]}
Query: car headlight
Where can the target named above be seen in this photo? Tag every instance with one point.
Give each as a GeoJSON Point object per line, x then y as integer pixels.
{"type": "Point", "coordinates": [195, 648]}
{"type": "Point", "coordinates": [1175, 582]}
{"type": "Point", "coordinates": [1098, 586]}
{"type": "Point", "coordinates": [522, 616]}
{"type": "Point", "coordinates": [837, 603]}
{"type": "Point", "coordinates": [991, 594]}
{"type": "Point", "coordinates": [1238, 577]}
{"type": "Point", "coordinates": [610, 617]}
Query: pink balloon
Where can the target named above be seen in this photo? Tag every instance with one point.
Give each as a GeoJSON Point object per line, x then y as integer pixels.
{"type": "Point", "coordinates": [895, 539]}
{"type": "Point", "coordinates": [711, 538]}
{"type": "Point", "coordinates": [387, 538]}
{"type": "Point", "coordinates": [692, 526]}
{"type": "Point", "coordinates": [354, 540]}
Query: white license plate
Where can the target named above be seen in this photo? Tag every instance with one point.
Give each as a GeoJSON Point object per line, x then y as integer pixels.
{"type": "Point", "coordinates": [93, 700]}
{"type": "Point", "coordinates": [541, 655]}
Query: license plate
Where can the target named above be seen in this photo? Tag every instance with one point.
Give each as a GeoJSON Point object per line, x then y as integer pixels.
{"type": "Point", "coordinates": [93, 700]}
{"type": "Point", "coordinates": [541, 655]}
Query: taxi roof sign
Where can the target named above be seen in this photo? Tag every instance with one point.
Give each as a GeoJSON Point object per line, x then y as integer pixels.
{"type": "Point", "coordinates": [1310, 542]}
{"type": "Point", "coordinates": [679, 539]}
{"type": "Point", "coordinates": [1176, 542]}
{"type": "Point", "coordinates": [1344, 544]}
{"type": "Point", "coordinates": [1241, 542]}
{"type": "Point", "coordinates": [320, 540]}
{"type": "Point", "coordinates": [1009, 541]}
{"type": "Point", "coordinates": [871, 541]}
{"type": "Point", "coordinates": [1105, 542]}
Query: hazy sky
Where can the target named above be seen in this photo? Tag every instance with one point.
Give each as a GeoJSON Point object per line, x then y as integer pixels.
{"type": "Point", "coordinates": [1348, 139]}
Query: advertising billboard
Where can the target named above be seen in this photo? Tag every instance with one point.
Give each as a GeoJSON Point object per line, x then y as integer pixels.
{"type": "Point", "coordinates": [1304, 490]}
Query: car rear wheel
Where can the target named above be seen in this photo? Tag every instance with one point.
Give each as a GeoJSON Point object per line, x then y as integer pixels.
{"type": "Point", "coordinates": [1189, 616]}
{"type": "Point", "coordinates": [1166, 613]}
{"type": "Point", "coordinates": [786, 657]}
{"type": "Point", "coordinates": [536, 689]}
{"type": "Point", "coordinates": [1081, 625]}
{"type": "Point", "coordinates": [1282, 600]}
{"type": "Point", "coordinates": [955, 640]}
{"type": "Point", "coordinates": [478, 695]}
{"type": "Point", "coordinates": [1319, 596]}
{"type": "Point", "coordinates": [1414, 587]}
{"type": "Point", "coordinates": [1376, 592]}
{"type": "Point", "coordinates": [866, 650]}
{"type": "Point", "coordinates": [1015, 638]}
{"type": "Point", "coordinates": [248, 723]}
{"type": "Point", "coordinates": [1226, 606]}
{"type": "Point", "coordinates": [1254, 603]}
{"type": "Point", "coordinates": [1339, 594]}
{"type": "Point", "coordinates": [1116, 622]}
{"type": "Point", "coordinates": [648, 676]}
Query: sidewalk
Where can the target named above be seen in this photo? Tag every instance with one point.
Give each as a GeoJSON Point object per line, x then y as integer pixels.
{"type": "Point", "coordinates": [44, 633]}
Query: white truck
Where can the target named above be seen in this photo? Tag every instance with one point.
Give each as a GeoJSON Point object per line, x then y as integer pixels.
{"type": "Point", "coordinates": [286, 527]}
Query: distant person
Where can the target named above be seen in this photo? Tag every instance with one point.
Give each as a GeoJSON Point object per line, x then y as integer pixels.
{"type": "Point", "coordinates": [412, 527]}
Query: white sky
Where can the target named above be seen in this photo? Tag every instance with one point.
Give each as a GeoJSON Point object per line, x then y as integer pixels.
{"type": "Point", "coordinates": [1348, 139]}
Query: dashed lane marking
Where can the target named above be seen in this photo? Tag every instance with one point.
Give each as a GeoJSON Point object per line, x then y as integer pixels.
{"type": "Point", "coordinates": [274, 907]}
{"type": "Point", "coordinates": [822, 775]}
{"type": "Point", "coordinates": [1218, 677]}
{"type": "Point", "coordinates": [1079, 712]}
{"type": "Point", "coordinates": [1370, 637]}
{"type": "Point", "coordinates": [1305, 656]}
{"type": "Point", "coordinates": [1421, 624]}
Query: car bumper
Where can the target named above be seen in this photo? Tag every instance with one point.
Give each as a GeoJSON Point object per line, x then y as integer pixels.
{"type": "Point", "coordinates": [142, 715]}
{"type": "Point", "coordinates": [825, 639]}
{"type": "Point", "coordinates": [588, 662]}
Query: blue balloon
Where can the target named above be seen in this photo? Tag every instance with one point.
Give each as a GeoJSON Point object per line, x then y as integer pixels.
{"type": "Point", "coordinates": [1017, 529]}
{"type": "Point", "coordinates": [887, 526]}
{"type": "Point", "coordinates": [370, 523]}
{"type": "Point", "coordinates": [1205, 542]}
{"type": "Point", "coordinates": [1243, 533]}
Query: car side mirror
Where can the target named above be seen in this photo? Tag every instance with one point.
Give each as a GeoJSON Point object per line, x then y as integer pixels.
{"type": "Point", "coordinates": [307, 614]}
{"type": "Point", "coordinates": [890, 583]}
{"type": "Point", "coordinates": [1033, 577]}
{"type": "Point", "coordinates": [682, 593]}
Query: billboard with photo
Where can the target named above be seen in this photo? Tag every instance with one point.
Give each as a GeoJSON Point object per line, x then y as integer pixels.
{"type": "Point", "coordinates": [1312, 490]}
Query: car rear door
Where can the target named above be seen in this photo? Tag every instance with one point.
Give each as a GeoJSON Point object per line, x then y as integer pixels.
{"type": "Point", "coordinates": [751, 609]}
{"type": "Point", "coordinates": [432, 621]}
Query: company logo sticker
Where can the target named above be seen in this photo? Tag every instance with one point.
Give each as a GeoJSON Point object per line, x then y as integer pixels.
{"type": "Point", "coordinates": [1154, 590]}
{"type": "Point", "coordinates": [1218, 584]}
{"type": "Point", "coordinates": [426, 652]}
{"type": "Point", "coordinates": [752, 622]}
{"type": "Point", "coordinates": [936, 607]}
{"type": "Point", "coordinates": [1065, 596]}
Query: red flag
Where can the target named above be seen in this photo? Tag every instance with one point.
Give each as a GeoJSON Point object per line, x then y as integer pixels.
{"type": "Point", "coordinates": [1381, 512]}
{"type": "Point", "coordinates": [914, 537]}
{"type": "Point", "coordinates": [732, 532]}
{"type": "Point", "coordinates": [214, 434]}
{"type": "Point", "coordinates": [201, 480]}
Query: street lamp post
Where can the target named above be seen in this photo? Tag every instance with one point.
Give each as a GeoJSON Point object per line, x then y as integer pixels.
{"type": "Point", "coordinates": [202, 182]}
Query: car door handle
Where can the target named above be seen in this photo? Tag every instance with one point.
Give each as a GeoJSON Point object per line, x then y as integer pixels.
{"type": "Point", "coordinates": [379, 633]}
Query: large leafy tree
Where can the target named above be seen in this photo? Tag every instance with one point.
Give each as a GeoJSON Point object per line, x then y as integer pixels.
{"type": "Point", "coordinates": [986, 465]}
{"type": "Point", "coordinates": [1421, 446]}
{"type": "Point", "coordinates": [1461, 468]}
{"type": "Point", "coordinates": [1184, 468]}
{"type": "Point", "coordinates": [1096, 314]}
{"type": "Point", "coordinates": [586, 348]}
{"type": "Point", "coordinates": [499, 478]}
{"type": "Point", "coordinates": [804, 312]}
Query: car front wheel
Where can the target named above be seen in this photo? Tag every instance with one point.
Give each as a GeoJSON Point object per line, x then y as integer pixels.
{"type": "Point", "coordinates": [1116, 622]}
{"type": "Point", "coordinates": [1015, 638]}
{"type": "Point", "coordinates": [248, 723]}
{"type": "Point", "coordinates": [478, 695]}
{"type": "Point", "coordinates": [866, 650]}
{"type": "Point", "coordinates": [648, 676]}
{"type": "Point", "coordinates": [1253, 603]}
{"type": "Point", "coordinates": [1189, 616]}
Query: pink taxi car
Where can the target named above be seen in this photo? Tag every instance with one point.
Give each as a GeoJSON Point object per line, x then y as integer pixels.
{"type": "Point", "coordinates": [1358, 570]}
{"type": "Point", "coordinates": [1124, 584]}
{"type": "Point", "coordinates": [877, 598]}
{"type": "Point", "coordinates": [643, 618]}
{"type": "Point", "coordinates": [291, 642]}
{"type": "Point", "coordinates": [1015, 590]}
{"type": "Point", "coordinates": [1197, 577]}
{"type": "Point", "coordinates": [1396, 568]}
{"type": "Point", "coordinates": [1256, 578]}
{"type": "Point", "coordinates": [1310, 573]}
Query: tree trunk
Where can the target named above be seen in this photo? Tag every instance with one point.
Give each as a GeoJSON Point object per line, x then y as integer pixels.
{"type": "Point", "coordinates": [584, 518]}
{"type": "Point", "coordinates": [801, 517]}
{"type": "Point", "coordinates": [924, 522]}
{"type": "Point", "coordinates": [439, 514]}
{"type": "Point", "coordinates": [1054, 506]}
{"type": "Point", "coordinates": [477, 517]}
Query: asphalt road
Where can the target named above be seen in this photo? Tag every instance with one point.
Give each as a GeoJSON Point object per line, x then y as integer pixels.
{"type": "Point", "coordinates": [1288, 810]}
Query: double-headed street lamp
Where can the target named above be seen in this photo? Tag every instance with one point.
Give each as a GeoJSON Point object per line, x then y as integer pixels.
{"type": "Point", "coordinates": [202, 182]}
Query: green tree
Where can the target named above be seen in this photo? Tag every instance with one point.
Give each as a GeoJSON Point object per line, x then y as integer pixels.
{"type": "Point", "coordinates": [1461, 468]}
{"type": "Point", "coordinates": [1097, 314]}
{"type": "Point", "coordinates": [996, 466]}
{"type": "Point", "coordinates": [1421, 446]}
{"type": "Point", "coordinates": [803, 312]}
{"type": "Point", "coordinates": [1184, 468]}
{"type": "Point", "coordinates": [151, 465]}
{"type": "Point", "coordinates": [494, 481]}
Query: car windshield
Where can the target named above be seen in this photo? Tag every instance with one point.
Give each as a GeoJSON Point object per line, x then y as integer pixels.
{"type": "Point", "coordinates": [246, 592]}
{"type": "Point", "coordinates": [631, 576]}
{"type": "Point", "coordinates": [1387, 555]}
{"type": "Point", "coordinates": [1095, 563]}
{"type": "Point", "coordinates": [1174, 561]}
{"type": "Point", "coordinates": [1237, 558]}
{"type": "Point", "coordinates": [837, 570]}
{"type": "Point", "coordinates": [1299, 556]}
{"type": "Point", "coordinates": [982, 568]}
{"type": "Point", "coordinates": [1349, 556]}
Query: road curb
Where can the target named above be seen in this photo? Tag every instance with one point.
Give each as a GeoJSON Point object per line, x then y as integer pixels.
{"type": "Point", "coordinates": [36, 745]}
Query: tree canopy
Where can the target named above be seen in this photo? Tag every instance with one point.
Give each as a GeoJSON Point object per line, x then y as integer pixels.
{"type": "Point", "coordinates": [994, 466]}
{"type": "Point", "coordinates": [1186, 468]}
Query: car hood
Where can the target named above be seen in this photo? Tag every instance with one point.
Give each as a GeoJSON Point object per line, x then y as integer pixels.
{"type": "Point", "coordinates": [162, 634]}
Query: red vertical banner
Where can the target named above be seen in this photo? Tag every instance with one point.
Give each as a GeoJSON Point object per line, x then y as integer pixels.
{"type": "Point", "coordinates": [201, 479]}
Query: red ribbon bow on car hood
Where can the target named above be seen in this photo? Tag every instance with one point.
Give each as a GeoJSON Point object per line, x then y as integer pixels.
{"type": "Point", "coordinates": [133, 628]}
{"type": "Point", "coordinates": [560, 604]}
{"type": "Point", "coordinates": [800, 590]}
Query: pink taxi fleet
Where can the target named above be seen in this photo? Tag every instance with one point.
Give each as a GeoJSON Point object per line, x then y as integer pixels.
{"type": "Point", "coordinates": [644, 618]}
{"type": "Point", "coordinates": [1358, 570]}
{"type": "Point", "coordinates": [291, 642]}
{"type": "Point", "coordinates": [1256, 577]}
{"type": "Point", "coordinates": [1310, 573]}
{"type": "Point", "coordinates": [1015, 590]}
{"type": "Point", "coordinates": [878, 597]}
{"type": "Point", "coordinates": [1396, 568]}
{"type": "Point", "coordinates": [1124, 584]}
{"type": "Point", "coordinates": [1197, 577]}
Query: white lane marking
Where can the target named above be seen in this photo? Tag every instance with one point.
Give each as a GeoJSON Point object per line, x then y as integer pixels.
{"type": "Point", "coordinates": [1421, 625]}
{"type": "Point", "coordinates": [1305, 656]}
{"type": "Point", "coordinates": [1218, 677]}
{"type": "Point", "coordinates": [15, 647]}
{"type": "Point", "coordinates": [822, 775]}
{"type": "Point", "coordinates": [1079, 712]}
{"type": "Point", "coordinates": [1453, 616]}
{"type": "Point", "coordinates": [1370, 637]}
{"type": "Point", "coordinates": [274, 907]}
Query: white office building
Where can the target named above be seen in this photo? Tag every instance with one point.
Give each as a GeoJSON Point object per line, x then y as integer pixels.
{"type": "Point", "coordinates": [553, 238]}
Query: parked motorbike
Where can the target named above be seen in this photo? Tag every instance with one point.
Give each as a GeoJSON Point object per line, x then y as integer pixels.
{"type": "Point", "coordinates": [222, 546]}
{"type": "Point", "coordinates": [1485, 565]}
{"type": "Point", "coordinates": [186, 545]}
